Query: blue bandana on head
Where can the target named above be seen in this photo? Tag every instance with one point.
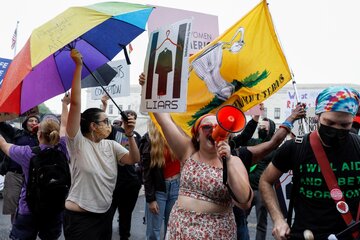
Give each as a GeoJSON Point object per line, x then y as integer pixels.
{"type": "Point", "coordinates": [338, 99]}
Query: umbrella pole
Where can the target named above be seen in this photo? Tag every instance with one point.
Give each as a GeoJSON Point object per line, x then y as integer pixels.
{"type": "Point", "coordinates": [123, 115]}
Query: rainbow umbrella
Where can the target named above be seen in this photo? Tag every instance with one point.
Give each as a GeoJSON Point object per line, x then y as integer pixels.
{"type": "Point", "coordinates": [43, 68]}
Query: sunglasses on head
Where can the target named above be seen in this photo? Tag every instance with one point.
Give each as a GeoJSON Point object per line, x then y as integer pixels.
{"type": "Point", "coordinates": [207, 127]}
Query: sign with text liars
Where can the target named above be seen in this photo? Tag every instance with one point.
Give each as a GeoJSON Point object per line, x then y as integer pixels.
{"type": "Point", "coordinates": [204, 29]}
{"type": "Point", "coordinates": [119, 86]}
{"type": "Point", "coordinates": [166, 69]}
{"type": "Point", "coordinates": [4, 65]}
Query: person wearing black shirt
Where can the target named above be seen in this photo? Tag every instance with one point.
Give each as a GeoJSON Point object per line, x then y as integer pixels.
{"type": "Point", "coordinates": [251, 155]}
{"type": "Point", "coordinates": [316, 212]}
{"type": "Point", "coordinates": [128, 181]}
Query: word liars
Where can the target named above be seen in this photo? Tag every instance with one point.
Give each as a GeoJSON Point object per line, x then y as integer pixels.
{"type": "Point", "coordinates": [166, 104]}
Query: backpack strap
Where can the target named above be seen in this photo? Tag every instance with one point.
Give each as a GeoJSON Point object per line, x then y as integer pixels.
{"type": "Point", "coordinates": [301, 142]}
{"type": "Point", "coordinates": [36, 149]}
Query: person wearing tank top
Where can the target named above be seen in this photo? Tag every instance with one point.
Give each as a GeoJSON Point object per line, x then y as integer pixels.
{"type": "Point", "coordinates": [204, 206]}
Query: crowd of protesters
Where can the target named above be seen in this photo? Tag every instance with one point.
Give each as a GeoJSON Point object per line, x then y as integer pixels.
{"type": "Point", "coordinates": [183, 176]}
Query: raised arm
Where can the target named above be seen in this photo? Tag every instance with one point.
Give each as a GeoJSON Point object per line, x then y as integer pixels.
{"type": "Point", "coordinates": [104, 101]}
{"type": "Point", "coordinates": [64, 114]}
{"type": "Point", "coordinates": [242, 138]}
{"type": "Point", "coordinates": [261, 150]}
{"type": "Point", "coordinates": [73, 124]}
{"type": "Point", "coordinates": [178, 141]}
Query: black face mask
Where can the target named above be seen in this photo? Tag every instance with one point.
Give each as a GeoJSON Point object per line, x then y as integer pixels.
{"type": "Point", "coordinates": [262, 133]}
{"type": "Point", "coordinates": [333, 136]}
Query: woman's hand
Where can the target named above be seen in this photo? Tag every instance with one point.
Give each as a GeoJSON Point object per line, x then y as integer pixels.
{"type": "Point", "coordinates": [76, 57]}
{"type": "Point", "coordinates": [154, 207]}
{"type": "Point", "coordinates": [223, 149]}
{"type": "Point", "coordinates": [66, 99]}
{"type": "Point", "coordinates": [142, 79]}
{"type": "Point", "coordinates": [129, 126]}
{"type": "Point", "coordinates": [104, 99]}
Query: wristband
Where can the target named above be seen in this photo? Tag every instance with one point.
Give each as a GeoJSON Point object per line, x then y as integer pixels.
{"type": "Point", "coordinates": [288, 124]}
{"type": "Point", "coordinates": [286, 128]}
{"type": "Point", "coordinates": [131, 135]}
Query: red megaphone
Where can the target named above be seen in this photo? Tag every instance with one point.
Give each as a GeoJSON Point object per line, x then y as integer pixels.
{"type": "Point", "coordinates": [230, 120]}
{"type": "Point", "coordinates": [357, 119]}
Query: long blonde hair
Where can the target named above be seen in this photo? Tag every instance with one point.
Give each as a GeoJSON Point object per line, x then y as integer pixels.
{"type": "Point", "coordinates": [158, 147]}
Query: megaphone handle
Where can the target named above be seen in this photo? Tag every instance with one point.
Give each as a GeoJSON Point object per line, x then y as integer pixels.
{"type": "Point", "coordinates": [224, 160]}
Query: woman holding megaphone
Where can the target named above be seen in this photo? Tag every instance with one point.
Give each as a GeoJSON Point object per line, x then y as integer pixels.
{"type": "Point", "coordinates": [204, 206]}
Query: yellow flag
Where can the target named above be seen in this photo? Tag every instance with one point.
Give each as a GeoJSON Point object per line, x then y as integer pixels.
{"type": "Point", "coordinates": [242, 67]}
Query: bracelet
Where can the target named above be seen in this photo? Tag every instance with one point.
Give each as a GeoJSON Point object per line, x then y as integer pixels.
{"type": "Point", "coordinates": [288, 124]}
{"type": "Point", "coordinates": [286, 128]}
{"type": "Point", "coordinates": [131, 135]}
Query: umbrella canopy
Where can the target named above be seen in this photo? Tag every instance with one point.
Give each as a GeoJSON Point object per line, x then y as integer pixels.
{"type": "Point", "coordinates": [44, 69]}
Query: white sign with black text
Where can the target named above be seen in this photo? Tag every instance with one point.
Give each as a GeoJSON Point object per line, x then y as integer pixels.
{"type": "Point", "coordinates": [119, 86]}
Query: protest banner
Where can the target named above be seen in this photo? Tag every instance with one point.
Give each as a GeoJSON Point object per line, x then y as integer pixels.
{"type": "Point", "coordinates": [204, 29]}
{"type": "Point", "coordinates": [119, 86]}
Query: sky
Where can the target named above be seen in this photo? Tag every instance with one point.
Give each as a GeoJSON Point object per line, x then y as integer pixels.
{"type": "Point", "coordinates": [320, 39]}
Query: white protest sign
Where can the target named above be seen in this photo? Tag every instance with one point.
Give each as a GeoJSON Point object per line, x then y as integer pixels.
{"type": "Point", "coordinates": [310, 123]}
{"type": "Point", "coordinates": [204, 29]}
{"type": "Point", "coordinates": [167, 69]}
{"type": "Point", "coordinates": [119, 86]}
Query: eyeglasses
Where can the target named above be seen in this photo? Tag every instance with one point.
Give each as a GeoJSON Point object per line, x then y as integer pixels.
{"type": "Point", "coordinates": [207, 127]}
{"type": "Point", "coordinates": [106, 121]}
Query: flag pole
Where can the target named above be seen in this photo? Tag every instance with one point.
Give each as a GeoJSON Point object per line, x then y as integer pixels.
{"type": "Point", "coordinates": [292, 75]}
{"type": "Point", "coordinates": [16, 33]}
{"type": "Point", "coordinates": [298, 101]}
